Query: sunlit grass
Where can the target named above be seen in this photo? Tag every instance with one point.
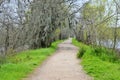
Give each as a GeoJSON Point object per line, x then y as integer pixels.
{"type": "Point", "coordinates": [19, 66]}
{"type": "Point", "coordinates": [97, 67]}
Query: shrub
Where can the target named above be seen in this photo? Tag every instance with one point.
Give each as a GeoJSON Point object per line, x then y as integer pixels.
{"type": "Point", "coordinates": [105, 54]}
{"type": "Point", "coordinates": [81, 52]}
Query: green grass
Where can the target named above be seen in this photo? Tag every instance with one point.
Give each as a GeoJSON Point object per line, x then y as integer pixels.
{"type": "Point", "coordinates": [20, 65]}
{"type": "Point", "coordinates": [98, 66]}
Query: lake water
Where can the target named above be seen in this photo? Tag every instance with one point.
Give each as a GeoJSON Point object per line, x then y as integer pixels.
{"type": "Point", "coordinates": [109, 44]}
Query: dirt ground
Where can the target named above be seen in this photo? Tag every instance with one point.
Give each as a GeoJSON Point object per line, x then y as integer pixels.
{"type": "Point", "coordinates": [62, 66]}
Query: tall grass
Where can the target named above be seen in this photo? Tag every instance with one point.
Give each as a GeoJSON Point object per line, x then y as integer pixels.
{"type": "Point", "coordinates": [19, 66]}
{"type": "Point", "coordinates": [100, 63]}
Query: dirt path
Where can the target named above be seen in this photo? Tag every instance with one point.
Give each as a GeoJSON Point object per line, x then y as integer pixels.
{"type": "Point", "coordinates": [62, 66]}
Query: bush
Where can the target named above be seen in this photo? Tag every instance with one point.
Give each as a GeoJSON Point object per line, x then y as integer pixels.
{"type": "Point", "coordinates": [105, 54]}
{"type": "Point", "coordinates": [81, 53]}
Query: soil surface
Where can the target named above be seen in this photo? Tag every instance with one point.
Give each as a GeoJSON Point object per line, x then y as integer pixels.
{"type": "Point", "coordinates": [63, 65]}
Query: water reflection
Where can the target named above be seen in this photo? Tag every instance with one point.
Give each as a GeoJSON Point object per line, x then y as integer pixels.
{"type": "Point", "coordinates": [109, 43]}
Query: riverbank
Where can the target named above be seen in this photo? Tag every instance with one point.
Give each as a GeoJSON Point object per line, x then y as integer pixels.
{"type": "Point", "coordinates": [100, 64]}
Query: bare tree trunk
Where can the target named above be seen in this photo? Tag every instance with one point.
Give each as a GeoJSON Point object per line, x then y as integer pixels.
{"type": "Point", "coordinates": [6, 40]}
{"type": "Point", "coordinates": [115, 29]}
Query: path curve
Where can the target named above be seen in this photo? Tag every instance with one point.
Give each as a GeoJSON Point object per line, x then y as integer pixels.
{"type": "Point", "coordinates": [62, 66]}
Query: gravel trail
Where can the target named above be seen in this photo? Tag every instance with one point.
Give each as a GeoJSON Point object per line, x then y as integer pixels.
{"type": "Point", "coordinates": [63, 65]}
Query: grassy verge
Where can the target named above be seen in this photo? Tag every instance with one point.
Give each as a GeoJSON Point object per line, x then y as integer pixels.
{"type": "Point", "coordinates": [100, 64]}
{"type": "Point", "coordinates": [19, 66]}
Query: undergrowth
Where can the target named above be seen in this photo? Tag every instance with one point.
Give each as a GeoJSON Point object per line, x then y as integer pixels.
{"type": "Point", "coordinates": [20, 65]}
{"type": "Point", "coordinates": [99, 62]}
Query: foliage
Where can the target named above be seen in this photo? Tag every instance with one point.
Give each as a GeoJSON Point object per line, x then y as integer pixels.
{"type": "Point", "coordinates": [49, 18]}
{"type": "Point", "coordinates": [99, 22]}
{"type": "Point", "coordinates": [81, 52]}
{"type": "Point", "coordinates": [100, 63]}
{"type": "Point", "coordinates": [19, 66]}
{"type": "Point", "coordinates": [34, 23]}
